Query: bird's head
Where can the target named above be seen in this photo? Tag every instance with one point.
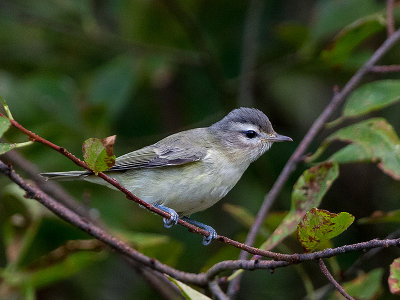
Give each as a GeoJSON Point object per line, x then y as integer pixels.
{"type": "Point", "coordinates": [246, 132]}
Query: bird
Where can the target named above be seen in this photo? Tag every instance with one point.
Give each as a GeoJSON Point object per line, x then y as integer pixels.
{"type": "Point", "coordinates": [191, 170]}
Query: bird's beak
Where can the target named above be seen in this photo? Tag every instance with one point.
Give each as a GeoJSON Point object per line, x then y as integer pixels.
{"type": "Point", "coordinates": [279, 138]}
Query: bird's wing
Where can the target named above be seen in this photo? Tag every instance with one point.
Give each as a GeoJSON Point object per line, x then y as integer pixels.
{"type": "Point", "coordinates": [153, 157]}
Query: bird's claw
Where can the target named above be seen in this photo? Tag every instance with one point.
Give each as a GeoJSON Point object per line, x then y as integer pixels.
{"type": "Point", "coordinates": [213, 235]}
{"type": "Point", "coordinates": [173, 219]}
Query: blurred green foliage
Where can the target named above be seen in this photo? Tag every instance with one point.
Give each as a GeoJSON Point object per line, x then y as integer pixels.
{"type": "Point", "coordinates": [142, 69]}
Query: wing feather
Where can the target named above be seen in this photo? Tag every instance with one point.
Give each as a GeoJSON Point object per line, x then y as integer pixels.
{"type": "Point", "coordinates": [156, 156]}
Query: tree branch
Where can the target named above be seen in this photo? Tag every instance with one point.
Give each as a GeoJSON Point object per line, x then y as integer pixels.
{"type": "Point", "coordinates": [200, 279]}
{"type": "Point", "coordinates": [161, 284]}
{"type": "Point", "coordinates": [130, 196]}
{"type": "Point", "coordinates": [389, 17]}
{"type": "Point", "coordinates": [316, 127]}
{"type": "Point", "coordinates": [49, 187]}
{"type": "Point", "coordinates": [88, 227]}
{"type": "Point", "coordinates": [328, 275]}
{"type": "Point", "coordinates": [352, 270]}
{"type": "Point", "coordinates": [386, 69]}
{"type": "Point", "coordinates": [337, 99]}
{"type": "Point", "coordinates": [158, 281]}
{"type": "Point", "coordinates": [217, 291]}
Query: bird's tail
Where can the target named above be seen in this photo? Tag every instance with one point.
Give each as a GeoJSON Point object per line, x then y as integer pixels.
{"type": "Point", "coordinates": [71, 175]}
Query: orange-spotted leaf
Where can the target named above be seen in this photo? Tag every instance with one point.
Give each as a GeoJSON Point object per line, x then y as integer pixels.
{"type": "Point", "coordinates": [307, 193]}
{"type": "Point", "coordinates": [319, 226]}
{"type": "Point", "coordinates": [394, 277]}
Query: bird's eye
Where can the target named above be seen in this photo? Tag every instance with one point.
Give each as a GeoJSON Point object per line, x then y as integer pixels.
{"type": "Point", "coordinates": [251, 134]}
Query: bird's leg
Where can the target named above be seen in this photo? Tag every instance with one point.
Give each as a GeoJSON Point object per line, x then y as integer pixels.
{"type": "Point", "coordinates": [168, 223]}
{"type": "Point", "coordinates": [207, 239]}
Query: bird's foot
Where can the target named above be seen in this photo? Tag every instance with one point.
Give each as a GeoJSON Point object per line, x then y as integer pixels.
{"type": "Point", "coordinates": [206, 239]}
{"type": "Point", "coordinates": [173, 220]}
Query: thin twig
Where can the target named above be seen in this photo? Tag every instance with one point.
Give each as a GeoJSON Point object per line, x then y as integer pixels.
{"type": "Point", "coordinates": [130, 196]}
{"type": "Point", "coordinates": [352, 270]}
{"type": "Point", "coordinates": [249, 52]}
{"type": "Point", "coordinates": [244, 264]}
{"type": "Point", "coordinates": [390, 17]}
{"type": "Point", "coordinates": [328, 275]}
{"type": "Point", "coordinates": [85, 225]}
{"type": "Point", "coordinates": [49, 187]}
{"type": "Point", "coordinates": [164, 286]}
{"type": "Point", "coordinates": [318, 124]}
{"type": "Point", "coordinates": [217, 291]}
{"type": "Point", "coordinates": [200, 279]}
{"type": "Point", "coordinates": [246, 87]}
{"type": "Point", "coordinates": [298, 258]}
{"type": "Point", "coordinates": [368, 255]}
{"type": "Point", "coordinates": [386, 69]}
{"type": "Point", "coordinates": [316, 127]}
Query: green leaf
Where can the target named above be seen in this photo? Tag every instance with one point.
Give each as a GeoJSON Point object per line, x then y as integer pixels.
{"type": "Point", "coordinates": [188, 292]}
{"type": "Point", "coordinates": [112, 84]}
{"type": "Point", "coordinates": [98, 154]}
{"type": "Point", "coordinates": [319, 226]}
{"type": "Point", "coordinates": [372, 140]}
{"type": "Point", "coordinates": [382, 217]}
{"type": "Point", "coordinates": [6, 109]}
{"type": "Point", "coordinates": [74, 263]}
{"type": "Point", "coordinates": [6, 147]}
{"type": "Point", "coordinates": [4, 125]}
{"type": "Point", "coordinates": [372, 96]}
{"type": "Point", "coordinates": [331, 16]}
{"type": "Point", "coordinates": [364, 287]}
{"type": "Point", "coordinates": [307, 193]}
{"type": "Point", "coordinates": [352, 36]}
{"type": "Point", "coordinates": [394, 277]}
{"type": "Point", "coordinates": [352, 153]}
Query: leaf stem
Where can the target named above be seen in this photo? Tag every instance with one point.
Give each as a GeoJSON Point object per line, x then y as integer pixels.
{"type": "Point", "coordinates": [6, 108]}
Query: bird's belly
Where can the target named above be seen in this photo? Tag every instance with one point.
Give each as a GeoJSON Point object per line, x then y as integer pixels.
{"type": "Point", "coordinates": [186, 189]}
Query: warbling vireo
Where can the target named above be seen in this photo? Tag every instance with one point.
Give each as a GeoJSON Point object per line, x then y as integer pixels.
{"type": "Point", "coordinates": [191, 170]}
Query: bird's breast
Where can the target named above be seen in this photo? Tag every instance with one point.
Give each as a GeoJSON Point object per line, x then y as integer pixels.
{"type": "Point", "coordinates": [187, 188]}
